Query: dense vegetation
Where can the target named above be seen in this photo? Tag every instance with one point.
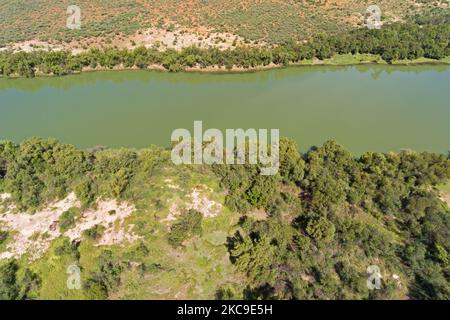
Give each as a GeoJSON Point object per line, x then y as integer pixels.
{"type": "Point", "coordinates": [393, 42]}
{"type": "Point", "coordinates": [328, 216]}
{"type": "Point", "coordinates": [347, 212]}
{"type": "Point", "coordinates": [13, 287]}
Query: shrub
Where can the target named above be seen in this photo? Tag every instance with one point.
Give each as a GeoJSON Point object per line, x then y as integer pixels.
{"type": "Point", "coordinates": [13, 288]}
{"type": "Point", "coordinates": [189, 225]}
{"type": "Point", "coordinates": [68, 248]}
{"type": "Point", "coordinates": [94, 233]}
{"type": "Point", "coordinates": [67, 219]}
{"type": "Point", "coordinates": [3, 236]}
{"type": "Point", "coordinates": [8, 287]}
{"type": "Point", "coordinates": [321, 230]}
{"type": "Point", "coordinates": [106, 278]}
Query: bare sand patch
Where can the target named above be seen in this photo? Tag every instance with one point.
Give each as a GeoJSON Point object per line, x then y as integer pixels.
{"type": "Point", "coordinates": [197, 200]}
{"type": "Point", "coordinates": [33, 234]}
{"type": "Point", "coordinates": [161, 38]}
{"type": "Point", "coordinates": [201, 203]}
{"type": "Point", "coordinates": [183, 38]}
{"type": "Point", "coordinates": [109, 214]}
{"type": "Point", "coordinates": [5, 196]}
{"type": "Point", "coordinates": [33, 45]}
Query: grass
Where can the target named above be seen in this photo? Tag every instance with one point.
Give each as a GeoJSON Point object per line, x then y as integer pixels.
{"type": "Point", "coordinates": [357, 59]}
{"type": "Point", "coordinates": [52, 270]}
{"type": "Point", "coordinates": [344, 59]}
{"type": "Point", "coordinates": [194, 271]}
{"type": "Point", "coordinates": [445, 188]}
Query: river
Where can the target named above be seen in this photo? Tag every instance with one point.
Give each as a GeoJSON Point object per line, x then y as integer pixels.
{"type": "Point", "coordinates": [365, 108]}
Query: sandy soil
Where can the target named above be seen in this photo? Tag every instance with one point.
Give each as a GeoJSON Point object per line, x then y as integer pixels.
{"type": "Point", "coordinates": [201, 203]}
{"type": "Point", "coordinates": [111, 215]}
{"type": "Point", "coordinates": [33, 234]}
{"type": "Point", "coordinates": [32, 45]}
{"type": "Point", "coordinates": [197, 200]}
{"type": "Point", "coordinates": [180, 39]}
{"type": "Point", "coordinates": [150, 38]}
{"type": "Point", "coordinates": [258, 214]}
{"type": "Point", "coordinates": [29, 229]}
{"type": "Point", "coordinates": [4, 196]}
{"type": "Point", "coordinates": [446, 198]}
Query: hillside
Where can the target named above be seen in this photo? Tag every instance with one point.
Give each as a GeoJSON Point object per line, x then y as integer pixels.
{"type": "Point", "coordinates": [138, 227]}
{"type": "Point", "coordinates": [207, 22]}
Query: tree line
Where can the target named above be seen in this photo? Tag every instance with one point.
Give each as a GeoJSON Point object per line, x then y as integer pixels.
{"type": "Point", "coordinates": [393, 42]}
{"type": "Point", "coordinates": [329, 215]}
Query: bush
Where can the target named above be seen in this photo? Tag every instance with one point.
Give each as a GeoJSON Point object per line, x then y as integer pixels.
{"type": "Point", "coordinates": [94, 233]}
{"type": "Point", "coordinates": [321, 230]}
{"type": "Point", "coordinates": [189, 225]}
{"type": "Point", "coordinates": [8, 287]}
{"type": "Point", "coordinates": [106, 278]}
{"type": "Point", "coordinates": [68, 248]}
{"type": "Point", "coordinates": [67, 219]}
{"type": "Point", "coordinates": [12, 288]}
{"type": "Point", "coordinates": [3, 236]}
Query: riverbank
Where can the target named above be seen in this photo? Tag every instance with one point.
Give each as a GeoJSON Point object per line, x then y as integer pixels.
{"type": "Point", "coordinates": [395, 44]}
{"type": "Point", "coordinates": [337, 61]}
{"type": "Point", "coordinates": [342, 60]}
{"type": "Point", "coordinates": [358, 59]}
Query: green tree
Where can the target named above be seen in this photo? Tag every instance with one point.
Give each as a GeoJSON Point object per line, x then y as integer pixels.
{"type": "Point", "coordinates": [190, 224]}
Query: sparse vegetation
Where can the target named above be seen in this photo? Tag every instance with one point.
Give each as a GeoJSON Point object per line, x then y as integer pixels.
{"type": "Point", "coordinates": [95, 232]}
{"type": "Point", "coordinates": [268, 20]}
{"type": "Point", "coordinates": [67, 219]}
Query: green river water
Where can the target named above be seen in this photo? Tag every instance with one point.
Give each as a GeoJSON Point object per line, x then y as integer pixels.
{"type": "Point", "coordinates": [365, 108]}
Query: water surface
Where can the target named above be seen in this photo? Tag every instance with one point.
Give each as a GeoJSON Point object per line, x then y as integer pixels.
{"type": "Point", "coordinates": [376, 108]}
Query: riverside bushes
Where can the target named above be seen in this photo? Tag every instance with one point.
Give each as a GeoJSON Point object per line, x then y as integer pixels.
{"type": "Point", "coordinates": [40, 170]}
{"type": "Point", "coordinates": [393, 42]}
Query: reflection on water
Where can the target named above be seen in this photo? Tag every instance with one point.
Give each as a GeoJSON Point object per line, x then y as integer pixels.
{"type": "Point", "coordinates": [89, 78]}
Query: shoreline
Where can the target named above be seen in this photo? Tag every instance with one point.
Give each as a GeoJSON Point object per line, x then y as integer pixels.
{"type": "Point", "coordinates": [345, 60]}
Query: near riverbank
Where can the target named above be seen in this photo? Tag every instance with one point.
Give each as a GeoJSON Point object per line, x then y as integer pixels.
{"type": "Point", "coordinates": [395, 44]}
{"type": "Point", "coordinates": [337, 60]}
